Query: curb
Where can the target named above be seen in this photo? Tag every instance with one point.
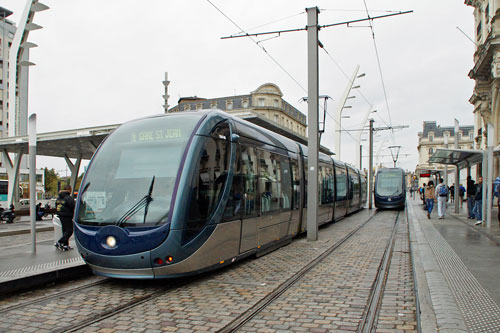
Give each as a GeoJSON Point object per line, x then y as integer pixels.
{"type": "Point", "coordinates": [24, 231]}
{"type": "Point", "coordinates": [12, 286]}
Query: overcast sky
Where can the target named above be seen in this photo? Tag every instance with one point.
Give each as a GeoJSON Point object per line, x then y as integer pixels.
{"type": "Point", "coordinates": [103, 62]}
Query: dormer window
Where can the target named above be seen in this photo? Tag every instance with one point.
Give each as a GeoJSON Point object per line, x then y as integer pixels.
{"type": "Point", "coordinates": [245, 103]}
{"type": "Point", "coordinates": [229, 105]}
{"type": "Point", "coordinates": [213, 105]}
{"type": "Point", "coordinates": [261, 101]}
{"type": "Point", "coordinates": [431, 137]}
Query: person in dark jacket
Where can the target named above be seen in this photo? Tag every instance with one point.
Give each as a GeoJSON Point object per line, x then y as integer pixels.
{"type": "Point", "coordinates": [471, 191]}
{"type": "Point", "coordinates": [478, 201]}
{"type": "Point", "coordinates": [65, 207]}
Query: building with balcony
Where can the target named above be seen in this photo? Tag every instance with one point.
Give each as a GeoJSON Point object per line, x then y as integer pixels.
{"type": "Point", "coordinates": [435, 136]}
{"type": "Point", "coordinates": [486, 71]}
{"type": "Point", "coordinates": [265, 106]}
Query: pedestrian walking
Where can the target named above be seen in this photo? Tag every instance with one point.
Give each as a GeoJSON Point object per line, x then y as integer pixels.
{"type": "Point", "coordinates": [471, 191]}
{"type": "Point", "coordinates": [430, 197]}
{"type": "Point", "coordinates": [478, 201]}
{"type": "Point", "coordinates": [65, 207]}
{"type": "Point", "coordinates": [441, 194]}
{"type": "Point", "coordinates": [461, 194]}
{"type": "Point", "coordinates": [452, 193]}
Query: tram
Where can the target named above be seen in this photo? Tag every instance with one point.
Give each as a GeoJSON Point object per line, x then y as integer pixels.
{"type": "Point", "coordinates": [390, 188]}
{"type": "Point", "coordinates": [179, 194]}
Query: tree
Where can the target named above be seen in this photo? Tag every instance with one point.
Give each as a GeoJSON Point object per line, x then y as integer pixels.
{"type": "Point", "coordinates": [51, 179]}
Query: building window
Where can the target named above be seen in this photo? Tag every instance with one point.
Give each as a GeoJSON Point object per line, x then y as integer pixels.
{"type": "Point", "coordinates": [187, 107]}
{"type": "Point", "coordinates": [276, 103]}
{"type": "Point", "coordinates": [431, 151]}
{"type": "Point", "coordinates": [431, 137]}
{"type": "Point", "coordinates": [276, 118]}
{"type": "Point", "coordinates": [245, 103]}
{"type": "Point", "coordinates": [213, 105]}
{"type": "Point", "coordinates": [471, 135]}
{"type": "Point", "coordinates": [199, 106]}
{"type": "Point", "coordinates": [229, 105]}
{"type": "Point", "coordinates": [261, 102]}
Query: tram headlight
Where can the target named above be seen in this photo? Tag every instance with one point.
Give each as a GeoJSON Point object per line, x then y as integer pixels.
{"type": "Point", "coordinates": [111, 241]}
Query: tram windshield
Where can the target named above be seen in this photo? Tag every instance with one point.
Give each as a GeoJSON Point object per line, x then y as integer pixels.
{"type": "Point", "coordinates": [389, 183]}
{"type": "Point", "coordinates": [131, 178]}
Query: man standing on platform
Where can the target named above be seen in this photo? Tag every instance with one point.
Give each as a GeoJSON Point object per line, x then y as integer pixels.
{"type": "Point", "coordinates": [442, 198]}
{"type": "Point", "coordinates": [478, 199]}
{"type": "Point", "coordinates": [65, 207]}
{"type": "Point", "coordinates": [471, 191]}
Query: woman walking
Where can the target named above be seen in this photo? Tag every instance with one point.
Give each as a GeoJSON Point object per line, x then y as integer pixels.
{"type": "Point", "coordinates": [430, 197]}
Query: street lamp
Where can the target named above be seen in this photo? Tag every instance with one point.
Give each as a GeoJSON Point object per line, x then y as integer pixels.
{"type": "Point", "coordinates": [341, 106]}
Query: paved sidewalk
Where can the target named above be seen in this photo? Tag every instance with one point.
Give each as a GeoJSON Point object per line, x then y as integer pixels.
{"type": "Point", "coordinates": [458, 271]}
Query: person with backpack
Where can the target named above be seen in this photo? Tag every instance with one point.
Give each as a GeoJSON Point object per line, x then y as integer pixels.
{"type": "Point", "coordinates": [461, 194]}
{"type": "Point", "coordinates": [471, 191]}
{"type": "Point", "coordinates": [442, 197]}
{"type": "Point", "coordinates": [429, 198]}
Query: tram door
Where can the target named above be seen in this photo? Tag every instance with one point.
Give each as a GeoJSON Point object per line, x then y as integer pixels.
{"type": "Point", "coordinates": [341, 201]}
{"type": "Point", "coordinates": [251, 204]}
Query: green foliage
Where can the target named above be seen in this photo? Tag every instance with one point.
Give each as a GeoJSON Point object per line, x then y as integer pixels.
{"type": "Point", "coordinates": [51, 179]}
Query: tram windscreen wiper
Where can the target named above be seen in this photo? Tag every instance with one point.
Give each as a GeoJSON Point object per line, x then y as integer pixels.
{"type": "Point", "coordinates": [144, 202]}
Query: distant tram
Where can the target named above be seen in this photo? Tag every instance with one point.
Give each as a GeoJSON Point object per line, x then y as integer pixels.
{"type": "Point", "coordinates": [390, 188]}
{"type": "Point", "coordinates": [179, 194]}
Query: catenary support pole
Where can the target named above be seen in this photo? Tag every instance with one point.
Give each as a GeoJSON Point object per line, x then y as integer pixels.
{"type": "Point", "coordinates": [370, 169]}
{"type": "Point", "coordinates": [32, 177]}
{"type": "Point", "coordinates": [489, 179]}
{"type": "Point", "coordinates": [312, 127]}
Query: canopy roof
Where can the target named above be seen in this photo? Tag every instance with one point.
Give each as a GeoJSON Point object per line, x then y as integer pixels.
{"type": "Point", "coordinates": [459, 157]}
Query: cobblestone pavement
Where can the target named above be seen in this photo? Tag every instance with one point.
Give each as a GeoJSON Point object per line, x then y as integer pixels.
{"type": "Point", "coordinates": [398, 303]}
{"type": "Point", "coordinates": [332, 296]}
{"type": "Point", "coordinates": [22, 239]}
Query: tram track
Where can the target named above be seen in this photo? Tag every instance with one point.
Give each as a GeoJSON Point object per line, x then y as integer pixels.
{"type": "Point", "coordinates": [246, 316]}
{"type": "Point", "coordinates": [236, 323]}
{"type": "Point", "coordinates": [369, 321]}
{"type": "Point", "coordinates": [53, 296]}
{"type": "Point", "coordinates": [148, 297]}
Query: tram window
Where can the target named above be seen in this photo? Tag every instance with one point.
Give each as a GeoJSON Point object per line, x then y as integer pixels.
{"type": "Point", "coordinates": [296, 184]}
{"type": "Point", "coordinates": [341, 183]}
{"type": "Point", "coordinates": [249, 177]}
{"type": "Point", "coordinates": [207, 184]}
{"type": "Point", "coordinates": [234, 202]}
{"type": "Point", "coordinates": [286, 185]}
{"type": "Point", "coordinates": [269, 181]}
{"type": "Point", "coordinates": [325, 185]}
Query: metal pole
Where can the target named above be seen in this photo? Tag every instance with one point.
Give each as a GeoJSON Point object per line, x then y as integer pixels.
{"type": "Point", "coordinates": [446, 165]}
{"type": "Point", "coordinates": [489, 180]}
{"type": "Point", "coordinates": [457, 170]}
{"type": "Point", "coordinates": [370, 166]}
{"type": "Point", "coordinates": [313, 127]}
{"type": "Point", "coordinates": [32, 178]}
{"type": "Point", "coordinates": [360, 157]}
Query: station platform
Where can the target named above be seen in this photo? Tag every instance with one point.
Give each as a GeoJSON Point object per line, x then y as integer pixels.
{"type": "Point", "coordinates": [456, 266]}
{"type": "Point", "coordinates": [20, 268]}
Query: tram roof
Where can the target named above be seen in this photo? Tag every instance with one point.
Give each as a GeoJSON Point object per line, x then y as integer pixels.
{"type": "Point", "coordinates": [73, 143]}
{"type": "Point", "coordinates": [459, 157]}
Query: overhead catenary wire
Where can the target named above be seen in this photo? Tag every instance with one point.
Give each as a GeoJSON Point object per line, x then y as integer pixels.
{"type": "Point", "coordinates": [379, 68]}
{"type": "Point", "coordinates": [258, 43]}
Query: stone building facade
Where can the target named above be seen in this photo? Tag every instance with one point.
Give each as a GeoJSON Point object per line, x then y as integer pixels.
{"type": "Point", "coordinates": [266, 101]}
{"type": "Point", "coordinates": [486, 70]}
{"type": "Point", "coordinates": [434, 136]}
